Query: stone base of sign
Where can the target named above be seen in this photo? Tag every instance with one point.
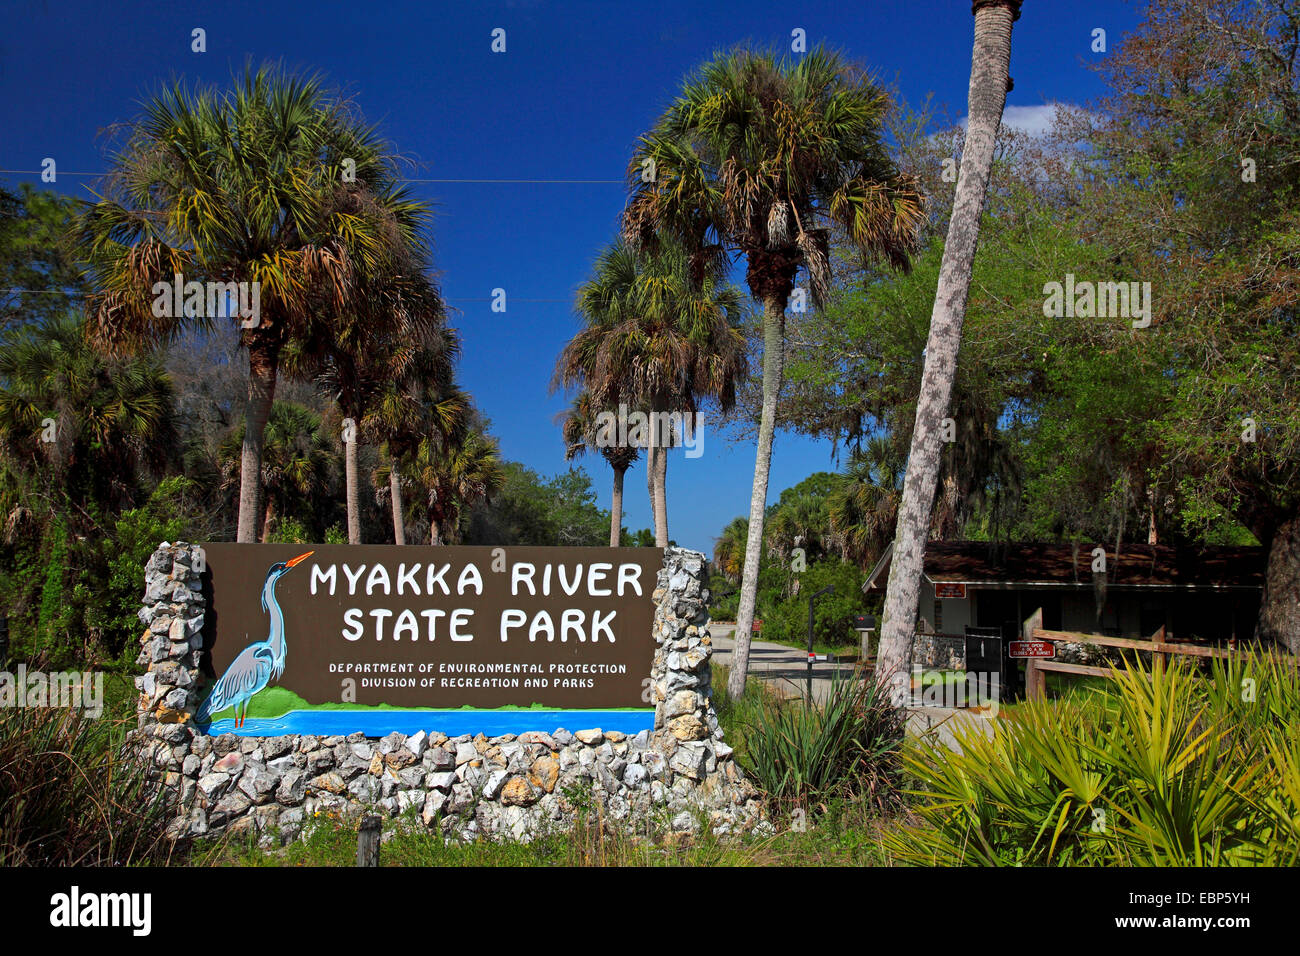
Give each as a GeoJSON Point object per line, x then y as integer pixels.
{"type": "Point", "coordinates": [676, 778]}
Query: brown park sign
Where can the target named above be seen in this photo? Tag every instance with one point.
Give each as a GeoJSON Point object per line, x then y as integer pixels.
{"type": "Point", "coordinates": [317, 638]}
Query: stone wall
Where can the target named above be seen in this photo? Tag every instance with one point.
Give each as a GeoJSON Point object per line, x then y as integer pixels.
{"type": "Point", "coordinates": [941, 651]}
{"type": "Point", "coordinates": [673, 778]}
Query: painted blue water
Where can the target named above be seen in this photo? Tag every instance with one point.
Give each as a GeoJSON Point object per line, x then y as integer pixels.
{"type": "Point", "coordinates": [453, 723]}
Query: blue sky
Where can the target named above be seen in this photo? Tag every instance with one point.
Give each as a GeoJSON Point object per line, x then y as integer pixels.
{"type": "Point", "coordinates": [578, 82]}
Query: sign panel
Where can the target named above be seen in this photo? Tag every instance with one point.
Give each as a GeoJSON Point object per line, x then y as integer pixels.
{"type": "Point", "coordinates": [1031, 649]}
{"type": "Point", "coordinates": [333, 639]}
{"type": "Point", "coordinates": [949, 589]}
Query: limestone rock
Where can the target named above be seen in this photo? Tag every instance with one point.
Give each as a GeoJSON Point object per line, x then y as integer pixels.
{"type": "Point", "coordinates": [329, 782]}
{"type": "Point", "coordinates": [293, 787]}
{"type": "Point", "coordinates": [443, 780]}
{"type": "Point", "coordinates": [689, 727]}
{"type": "Point", "coordinates": [681, 703]}
{"type": "Point", "coordinates": [495, 782]}
{"type": "Point", "coordinates": [433, 805]}
{"type": "Point", "coordinates": [518, 792]}
{"type": "Point", "coordinates": [439, 759]}
{"type": "Point", "coordinates": [544, 773]}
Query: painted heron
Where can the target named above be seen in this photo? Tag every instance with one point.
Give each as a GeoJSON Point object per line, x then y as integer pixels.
{"type": "Point", "coordinates": [257, 664]}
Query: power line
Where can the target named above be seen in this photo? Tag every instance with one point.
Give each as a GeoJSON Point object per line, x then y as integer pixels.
{"type": "Point", "coordinates": [569, 182]}
{"type": "Point", "coordinates": [80, 295]}
{"type": "Point", "coordinates": [526, 182]}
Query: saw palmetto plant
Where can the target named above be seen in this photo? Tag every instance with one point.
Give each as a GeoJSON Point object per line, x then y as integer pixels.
{"type": "Point", "coordinates": [1160, 767]}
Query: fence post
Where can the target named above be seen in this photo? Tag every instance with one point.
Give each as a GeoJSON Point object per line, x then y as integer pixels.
{"type": "Point", "coordinates": [368, 841]}
{"type": "Point", "coordinates": [1159, 658]}
{"type": "Point", "coordinates": [1035, 679]}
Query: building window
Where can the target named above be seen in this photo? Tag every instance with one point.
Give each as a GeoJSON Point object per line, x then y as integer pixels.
{"type": "Point", "coordinates": [938, 615]}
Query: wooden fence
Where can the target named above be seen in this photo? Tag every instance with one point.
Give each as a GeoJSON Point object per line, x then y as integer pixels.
{"type": "Point", "coordinates": [1037, 669]}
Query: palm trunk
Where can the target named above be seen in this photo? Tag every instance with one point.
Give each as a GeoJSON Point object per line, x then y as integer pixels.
{"type": "Point", "coordinates": [616, 510]}
{"type": "Point", "coordinates": [773, 367]}
{"type": "Point", "coordinates": [435, 525]}
{"type": "Point", "coordinates": [1279, 611]}
{"type": "Point", "coordinates": [990, 61]}
{"type": "Point", "coordinates": [353, 497]}
{"type": "Point", "coordinates": [946, 524]}
{"type": "Point", "coordinates": [262, 363]}
{"type": "Point", "coordinates": [661, 498]}
{"type": "Point", "coordinates": [395, 493]}
{"type": "Point", "coordinates": [268, 516]}
{"type": "Point", "coordinates": [651, 470]}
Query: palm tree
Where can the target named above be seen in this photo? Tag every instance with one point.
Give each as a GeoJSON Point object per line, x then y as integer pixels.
{"type": "Point", "coordinates": [729, 549]}
{"type": "Point", "coordinates": [392, 340]}
{"type": "Point", "coordinates": [864, 505]}
{"type": "Point", "coordinates": [989, 83]}
{"type": "Point", "coordinates": [455, 478]}
{"type": "Point", "coordinates": [768, 158]}
{"type": "Point", "coordinates": [244, 186]}
{"type": "Point", "coordinates": [800, 522]}
{"type": "Point", "coordinates": [76, 425]}
{"type": "Point", "coordinates": [299, 464]}
{"type": "Point", "coordinates": [423, 405]}
{"type": "Point", "coordinates": [658, 336]}
{"type": "Point", "coordinates": [580, 428]}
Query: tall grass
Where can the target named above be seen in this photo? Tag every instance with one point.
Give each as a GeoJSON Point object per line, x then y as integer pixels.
{"type": "Point", "coordinates": [69, 797]}
{"type": "Point", "coordinates": [808, 754]}
{"type": "Point", "coordinates": [1166, 768]}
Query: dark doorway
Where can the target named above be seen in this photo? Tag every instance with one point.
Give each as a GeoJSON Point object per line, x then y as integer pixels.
{"type": "Point", "coordinates": [997, 612]}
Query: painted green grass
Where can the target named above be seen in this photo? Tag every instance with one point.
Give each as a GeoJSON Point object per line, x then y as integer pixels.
{"type": "Point", "coordinates": [278, 701]}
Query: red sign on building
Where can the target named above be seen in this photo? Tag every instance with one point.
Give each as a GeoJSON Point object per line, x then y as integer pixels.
{"type": "Point", "coordinates": [950, 589]}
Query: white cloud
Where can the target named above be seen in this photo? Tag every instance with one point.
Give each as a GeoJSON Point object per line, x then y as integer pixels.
{"type": "Point", "coordinates": [1031, 120]}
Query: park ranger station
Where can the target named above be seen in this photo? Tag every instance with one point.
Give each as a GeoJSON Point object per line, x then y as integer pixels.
{"type": "Point", "coordinates": [1200, 594]}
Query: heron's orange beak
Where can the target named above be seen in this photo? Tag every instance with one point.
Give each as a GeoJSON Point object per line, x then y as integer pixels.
{"type": "Point", "coordinates": [301, 557]}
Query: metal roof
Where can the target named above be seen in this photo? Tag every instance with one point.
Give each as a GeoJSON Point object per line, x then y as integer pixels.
{"type": "Point", "coordinates": [983, 564]}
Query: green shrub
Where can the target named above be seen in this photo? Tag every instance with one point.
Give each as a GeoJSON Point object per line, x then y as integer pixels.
{"type": "Point", "coordinates": [845, 748]}
{"type": "Point", "coordinates": [289, 530]}
{"type": "Point", "coordinates": [786, 619]}
{"type": "Point", "coordinates": [72, 599]}
{"type": "Point", "coordinates": [1166, 768]}
{"type": "Point", "coordinates": [52, 617]}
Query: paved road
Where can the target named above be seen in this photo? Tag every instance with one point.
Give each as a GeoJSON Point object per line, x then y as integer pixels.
{"type": "Point", "coordinates": [943, 723]}
{"type": "Point", "coordinates": [787, 668]}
